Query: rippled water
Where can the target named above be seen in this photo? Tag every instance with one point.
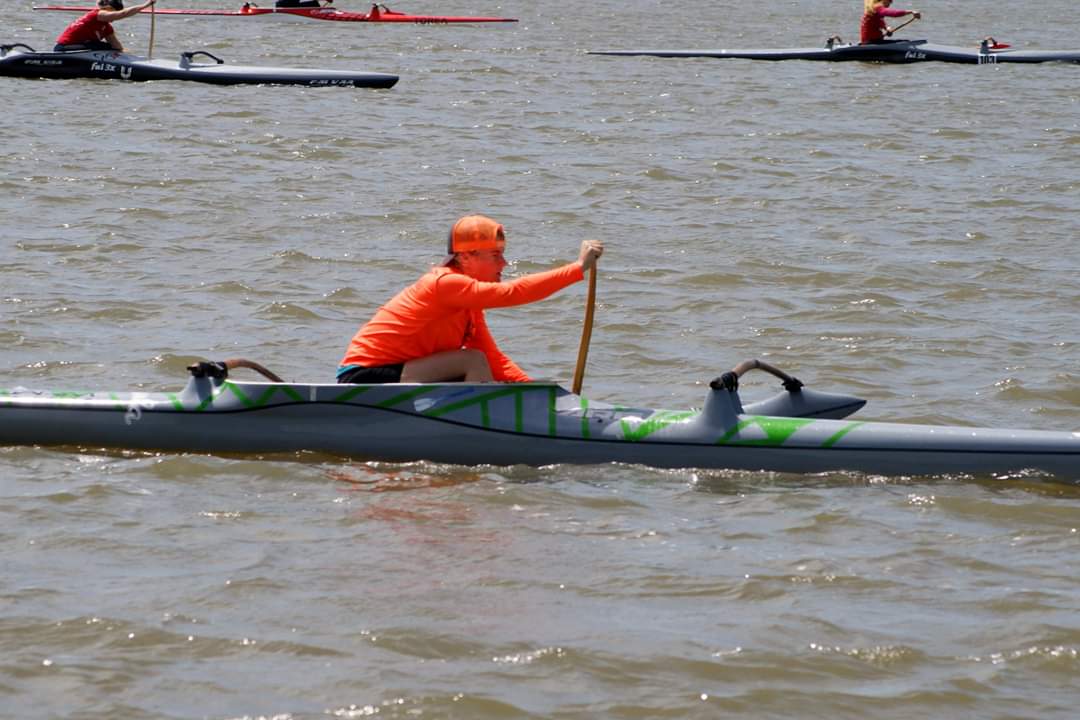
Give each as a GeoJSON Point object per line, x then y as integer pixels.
{"type": "Point", "coordinates": [902, 233]}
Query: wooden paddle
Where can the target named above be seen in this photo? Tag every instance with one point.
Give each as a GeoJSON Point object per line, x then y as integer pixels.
{"type": "Point", "coordinates": [586, 333]}
{"type": "Point", "coordinates": [903, 24]}
{"type": "Point", "coordinates": [153, 17]}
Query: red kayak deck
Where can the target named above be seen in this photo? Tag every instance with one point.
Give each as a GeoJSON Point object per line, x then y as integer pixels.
{"type": "Point", "coordinates": [378, 13]}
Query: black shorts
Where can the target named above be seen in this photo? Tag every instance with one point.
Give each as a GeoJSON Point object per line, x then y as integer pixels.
{"type": "Point", "coordinates": [92, 45]}
{"type": "Point", "coordinates": [373, 375]}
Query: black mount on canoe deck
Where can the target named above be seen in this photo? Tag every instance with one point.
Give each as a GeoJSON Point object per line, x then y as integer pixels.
{"type": "Point", "coordinates": [5, 49]}
{"type": "Point", "coordinates": [730, 379]}
{"type": "Point", "coordinates": [796, 401]}
{"type": "Point", "coordinates": [186, 57]}
{"type": "Point", "coordinates": [219, 369]}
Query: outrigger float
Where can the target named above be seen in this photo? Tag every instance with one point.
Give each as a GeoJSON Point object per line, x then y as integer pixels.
{"type": "Point", "coordinates": [798, 430]}
{"type": "Point", "coordinates": [988, 52]}
{"type": "Point", "coordinates": [19, 60]}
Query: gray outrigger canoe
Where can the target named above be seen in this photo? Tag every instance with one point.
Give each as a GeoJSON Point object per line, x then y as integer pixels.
{"type": "Point", "coordinates": [890, 51]}
{"type": "Point", "coordinates": [797, 431]}
{"type": "Point", "coordinates": [18, 60]}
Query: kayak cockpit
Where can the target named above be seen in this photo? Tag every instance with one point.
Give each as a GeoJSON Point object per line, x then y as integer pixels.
{"type": "Point", "coordinates": [209, 381]}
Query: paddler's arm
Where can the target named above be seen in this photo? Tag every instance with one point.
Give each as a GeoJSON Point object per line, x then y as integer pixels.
{"type": "Point", "coordinates": [461, 291]}
{"type": "Point", "coordinates": [590, 252]}
{"type": "Point", "coordinates": [896, 12]}
{"type": "Point", "coordinates": [111, 16]}
{"type": "Point", "coordinates": [889, 12]}
{"type": "Point", "coordinates": [503, 369]}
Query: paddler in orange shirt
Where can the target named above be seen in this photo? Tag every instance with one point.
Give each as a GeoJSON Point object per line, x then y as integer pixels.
{"type": "Point", "coordinates": [434, 330]}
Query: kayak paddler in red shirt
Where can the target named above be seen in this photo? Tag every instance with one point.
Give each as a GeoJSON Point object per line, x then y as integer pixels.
{"type": "Point", "coordinates": [435, 331]}
{"type": "Point", "coordinates": [873, 28]}
{"type": "Point", "coordinates": [93, 30]}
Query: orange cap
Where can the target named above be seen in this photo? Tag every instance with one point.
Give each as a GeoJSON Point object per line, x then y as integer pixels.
{"type": "Point", "coordinates": [474, 232]}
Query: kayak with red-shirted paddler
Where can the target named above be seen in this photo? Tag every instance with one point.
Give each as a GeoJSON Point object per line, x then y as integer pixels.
{"type": "Point", "coordinates": [377, 14]}
{"type": "Point", "coordinates": [988, 52]}
{"type": "Point", "coordinates": [18, 60]}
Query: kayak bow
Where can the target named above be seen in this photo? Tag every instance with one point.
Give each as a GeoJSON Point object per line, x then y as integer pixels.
{"type": "Point", "coordinates": [18, 60]}
{"type": "Point", "coordinates": [891, 51]}
{"type": "Point", "coordinates": [378, 14]}
{"type": "Point", "coordinates": [798, 430]}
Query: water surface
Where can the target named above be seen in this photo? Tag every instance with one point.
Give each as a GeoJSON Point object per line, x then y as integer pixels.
{"type": "Point", "coordinates": [902, 233]}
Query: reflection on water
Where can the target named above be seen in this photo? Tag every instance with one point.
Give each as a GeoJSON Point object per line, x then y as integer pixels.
{"type": "Point", "coordinates": [379, 477]}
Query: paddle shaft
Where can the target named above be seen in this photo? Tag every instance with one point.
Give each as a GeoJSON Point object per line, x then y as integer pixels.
{"type": "Point", "coordinates": [586, 333]}
{"type": "Point", "coordinates": [903, 24]}
{"type": "Point", "coordinates": [153, 17]}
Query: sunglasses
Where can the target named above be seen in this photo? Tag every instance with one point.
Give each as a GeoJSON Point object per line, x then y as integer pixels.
{"type": "Point", "coordinates": [487, 254]}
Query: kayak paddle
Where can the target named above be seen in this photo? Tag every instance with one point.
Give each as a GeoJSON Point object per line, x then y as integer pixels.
{"type": "Point", "coordinates": [901, 25]}
{"type": "Point", "coordinates": [153, 16]}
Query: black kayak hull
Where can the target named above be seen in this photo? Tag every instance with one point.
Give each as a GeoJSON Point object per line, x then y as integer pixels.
{"type": "Point", "coordinates": [112, 65]}
{"type": "Point", "coordinates": [899, 51]}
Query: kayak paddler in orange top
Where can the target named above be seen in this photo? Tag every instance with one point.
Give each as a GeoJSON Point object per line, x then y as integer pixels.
{"type": "Point", "coordinates": [873, 28]}
{"type": "Point", "coordinates": [93, 30]}
{"type": "Point", "coordinates": [434, 330]}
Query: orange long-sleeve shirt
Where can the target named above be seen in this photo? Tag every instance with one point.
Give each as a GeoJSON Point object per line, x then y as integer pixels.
{"type": "Point", "coordinates": [444, 310]}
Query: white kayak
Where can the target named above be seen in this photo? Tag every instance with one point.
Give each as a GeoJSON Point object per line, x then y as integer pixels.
{"type": "Point", "coordinates": [797, 431]}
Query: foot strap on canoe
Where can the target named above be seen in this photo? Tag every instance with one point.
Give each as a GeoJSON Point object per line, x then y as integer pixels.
{"type": "Point", "coordinates": [219, 369]}
{"type": "Point", "coordinates": [730, 379]}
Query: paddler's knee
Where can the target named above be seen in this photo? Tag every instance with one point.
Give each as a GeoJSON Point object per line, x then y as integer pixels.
{"type": "Point", "coordinates": [469, 365]}
{"type": "Point", "coordinates": [477, 368]}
